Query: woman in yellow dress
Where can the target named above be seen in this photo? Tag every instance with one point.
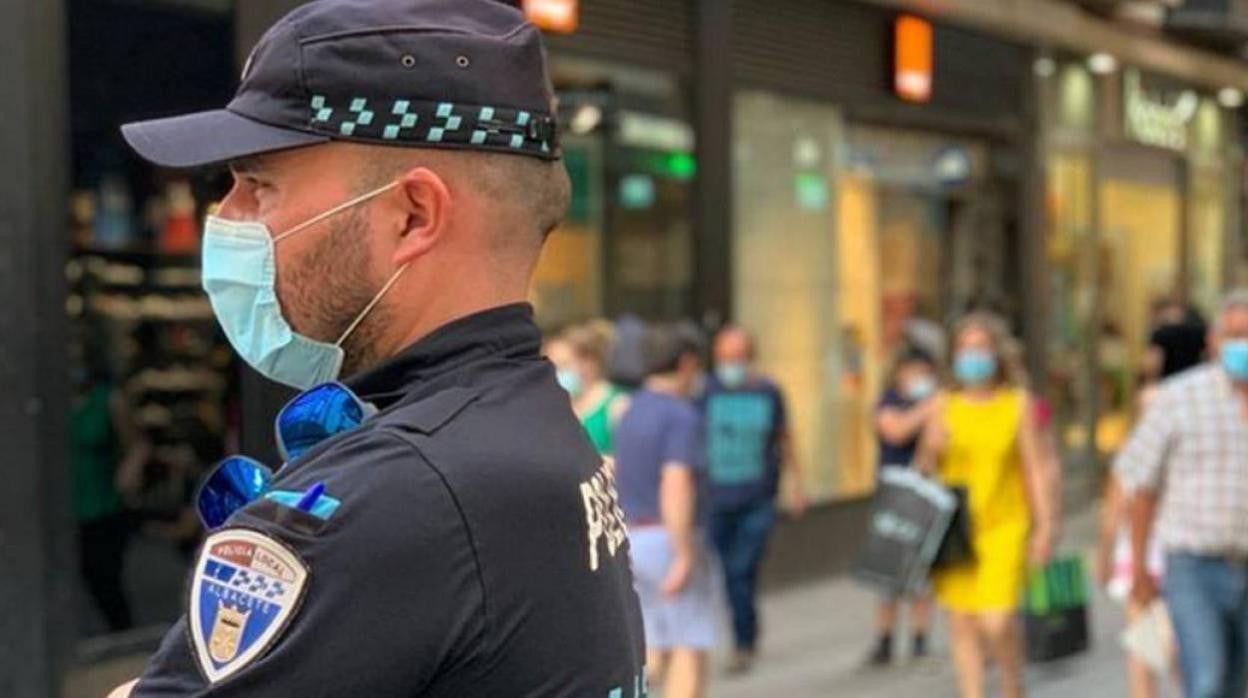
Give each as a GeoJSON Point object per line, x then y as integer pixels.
{"type": "Point", "coordinates": [984, 438]}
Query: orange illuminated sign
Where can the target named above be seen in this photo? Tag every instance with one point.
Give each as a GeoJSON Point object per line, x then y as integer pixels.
{"type": "Point", "coordinates": [912, 58]}
{"type": "Point", "coordinates": [559, 16]}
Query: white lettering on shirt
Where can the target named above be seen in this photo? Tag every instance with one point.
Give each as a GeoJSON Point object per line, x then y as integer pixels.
{"type": "Point", "coordinates": [603, 517]}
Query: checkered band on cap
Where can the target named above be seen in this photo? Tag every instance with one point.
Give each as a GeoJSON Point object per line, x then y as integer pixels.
{"type": "Point", "coordinates": [433, 124]}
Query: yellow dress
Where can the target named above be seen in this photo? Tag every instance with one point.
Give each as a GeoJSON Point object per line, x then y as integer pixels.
{"type": "Point", "coordinates": [983, 455]}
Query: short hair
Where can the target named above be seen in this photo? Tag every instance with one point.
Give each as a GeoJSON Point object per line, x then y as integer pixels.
{"type": "Point", "coordinates": [592, 340]}
{"type": "Point", "coordinates": [1235, 299]}
{"type": "Point", "coordinates": [537, 190]}
{"type": "Point", "coordinates": [667, 344]}
{"type": "Point", "coordinates": [910, 353]}
{"type": "Point", "coordinates": [751, 346]}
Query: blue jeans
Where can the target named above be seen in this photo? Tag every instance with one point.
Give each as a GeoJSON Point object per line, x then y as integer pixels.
{"type": "Point", "coordinates": [1208, 601]}
{"type": "Point", "coordinates": [741, 538]}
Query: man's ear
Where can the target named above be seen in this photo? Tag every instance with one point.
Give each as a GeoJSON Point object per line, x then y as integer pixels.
{"type": "Point", "coordinates": [426, 200]}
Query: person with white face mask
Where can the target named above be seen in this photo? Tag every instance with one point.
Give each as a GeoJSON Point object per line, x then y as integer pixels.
{"type": "Point", "coordinates": [904, 411]}
{"type": "Point", "coordinates": [396, 172]}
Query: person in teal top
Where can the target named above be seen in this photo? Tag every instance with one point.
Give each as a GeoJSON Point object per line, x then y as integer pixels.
{"type": "Point", "coordinates": [580, 355]}
{"type": "Point", "coordinates": [106, 462]}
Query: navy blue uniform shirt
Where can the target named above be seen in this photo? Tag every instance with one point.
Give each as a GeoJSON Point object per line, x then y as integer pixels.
{"type": "Point", "coordinates": [478, 549]}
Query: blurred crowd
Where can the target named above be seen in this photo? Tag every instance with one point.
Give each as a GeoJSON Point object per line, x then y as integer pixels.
{"type": "Point", "coordinates": [704, 464]}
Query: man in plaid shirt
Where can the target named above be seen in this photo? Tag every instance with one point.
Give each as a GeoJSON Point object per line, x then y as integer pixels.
{"type": "Point", "coordinates": [1186, 466]}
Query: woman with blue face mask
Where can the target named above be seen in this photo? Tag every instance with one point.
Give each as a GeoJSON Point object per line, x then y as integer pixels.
{"type": "Point", "coordinates": [904, 410]}
{"type": "Point", "coordinates": [580, 357]}
{"type": "Point", "coordinates": [983, 437]}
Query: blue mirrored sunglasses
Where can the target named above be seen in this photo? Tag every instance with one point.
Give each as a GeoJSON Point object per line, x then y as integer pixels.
{"type": "Point", "coordinates": [317, 414]}
{"type": "Point", "coordinates": [308, 419]}
{"type": "Point", "coordinates": [236, 482]}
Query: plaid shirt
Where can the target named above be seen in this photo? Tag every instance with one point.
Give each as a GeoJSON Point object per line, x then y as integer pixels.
{"type": "Point", "coordinates": [1191, 446]}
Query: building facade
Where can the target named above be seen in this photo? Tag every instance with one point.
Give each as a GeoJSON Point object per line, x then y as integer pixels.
{"type": "Point", "coordinates": [827, 174]}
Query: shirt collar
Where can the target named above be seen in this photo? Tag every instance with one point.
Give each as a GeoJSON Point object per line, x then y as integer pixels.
{"type": "Point", "coordinates": [506, 331]}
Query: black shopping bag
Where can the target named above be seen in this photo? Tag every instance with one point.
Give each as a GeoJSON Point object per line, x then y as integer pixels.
{"type": "Point", "coordinates": [956, 548]}
{"type": "Point", "coordinates": [909, 518]}
{"type": "Point", "coordinates": [1055, 611]}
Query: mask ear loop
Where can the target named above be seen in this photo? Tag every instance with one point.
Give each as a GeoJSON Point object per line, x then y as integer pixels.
{"type": "Point", "coordinates": [334, 211]}
{"type": "Point", "coordinates": [371, 304]}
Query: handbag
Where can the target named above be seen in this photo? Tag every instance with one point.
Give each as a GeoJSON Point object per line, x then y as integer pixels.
{"type": "Point", "coordinates": [1055, 610]}
{"type": "Point", "coordinates": [956, 548]}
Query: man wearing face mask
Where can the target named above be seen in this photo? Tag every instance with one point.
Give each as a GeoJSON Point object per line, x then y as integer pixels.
{"type": "Point", "coordinates": [748, 448]}
{"type": "Point", "coordinates": [396, 170]}
{"type": "Point", "coordinates": [1185, 469]}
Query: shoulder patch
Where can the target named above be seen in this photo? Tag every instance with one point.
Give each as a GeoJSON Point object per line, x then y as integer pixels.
{"type": "Point", "coordinates": [246, 588]}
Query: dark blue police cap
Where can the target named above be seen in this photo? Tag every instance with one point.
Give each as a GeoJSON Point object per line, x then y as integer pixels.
{"type": "Point", "coordinates": [467, 74]}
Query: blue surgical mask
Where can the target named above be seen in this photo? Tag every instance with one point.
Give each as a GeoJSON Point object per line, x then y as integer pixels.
{"type": "Point", "coordinates": [974, 367]}
{"type": "Point", "coordinates": [921, 388]}
{"type": "Point", "coordinates": [239, 275]}
{"type": "Point", "coordinates": [1234, 353]}
{"type": "Point", "coordinates": [732, 374]}
{"type": "Point", "coordinates": [569, 380]}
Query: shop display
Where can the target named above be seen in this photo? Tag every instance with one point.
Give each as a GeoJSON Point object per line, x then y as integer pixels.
{"type": "Point", "coordinates": [138, 308]}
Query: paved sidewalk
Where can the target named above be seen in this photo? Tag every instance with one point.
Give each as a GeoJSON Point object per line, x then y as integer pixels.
{"type": "Point", "coordinates": [816, 638]}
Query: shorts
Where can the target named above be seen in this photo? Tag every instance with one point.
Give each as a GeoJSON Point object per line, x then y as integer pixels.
{"type": "Point", "coordinates": [691, 619]}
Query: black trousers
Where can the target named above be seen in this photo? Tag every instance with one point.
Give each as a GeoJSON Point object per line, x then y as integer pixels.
{"type": "Point", "coordinates": [101, 555]}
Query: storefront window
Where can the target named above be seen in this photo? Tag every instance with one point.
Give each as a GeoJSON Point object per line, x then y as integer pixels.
{"type": "Point", "coordinates": [1138, 257]}
{"type": "Point", "coordinates": [154, 399]}
{"type": "Point", "coordinates": [786, 274]}
{"type": "Point", "coordinates": [1072, 295]}
{"type": "Point", "coordinates": [626, 245]}
{"type": "Point", "coordinates": [845, 239]}
{"type": "Point", "coordinates": [1208, 212]}
{"type": "Point", "coordinates": [1210, 205]}
{"type": "Point", "coordinates": [567, 286]}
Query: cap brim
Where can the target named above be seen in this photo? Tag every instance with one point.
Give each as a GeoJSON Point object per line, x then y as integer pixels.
{"type": "Point", "coordinates": [210, 137]}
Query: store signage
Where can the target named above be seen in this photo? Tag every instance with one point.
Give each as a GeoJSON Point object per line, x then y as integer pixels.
{"type": "Point", "coordinates": [811, 190]}
{"type": "Point", "coordinates": [912, 58]}
{"type": "Point", "coordinates": [1157, 117]}
{"type": "Point", "coordinates": [655, 132]}
{"type": "Point", "coordinates": [558, 16]}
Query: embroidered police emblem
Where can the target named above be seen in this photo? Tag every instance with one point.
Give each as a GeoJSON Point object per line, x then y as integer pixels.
{"type": "Point", "coordinates": [246, 587]}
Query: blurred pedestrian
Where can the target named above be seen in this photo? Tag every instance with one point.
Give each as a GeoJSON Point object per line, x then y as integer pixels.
{"type": "Point", "coordinates": [1177, 340]}
{"type": "Point", "coordinates": [1114, 563]}
{"type": "Point", "coordinates": [558, 350]}
{"type": "Point", "coordinates": [1186, 467]}
{"type": "Point", "coordinates": [749, 448]}
{"type": "Point", "coordinates": [983, 438]}
{"type": "Point", "coordinates": [659, 467]}
{"type": "Point", "coordinates": [107, 455]}
{"type": "Point", "coordinates": [904, 410]}
{"type": "Point", "coordinates": [1114, 569]}
{"type": "Point", "coordinates": [626, 364]}
{"type": "Point", "coordinates": [598, 403]}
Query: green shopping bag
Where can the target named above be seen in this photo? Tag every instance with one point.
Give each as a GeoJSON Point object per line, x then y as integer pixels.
{"type": "Point", "coordinates": [1055, 610]}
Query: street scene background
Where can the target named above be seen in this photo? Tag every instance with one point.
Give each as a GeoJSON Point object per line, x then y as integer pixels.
{"type": "Point", "coordinates": [841, 178]}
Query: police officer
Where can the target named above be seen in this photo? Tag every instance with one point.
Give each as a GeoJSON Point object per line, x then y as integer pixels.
{"type": "Point", "coordinates": [396, 169]}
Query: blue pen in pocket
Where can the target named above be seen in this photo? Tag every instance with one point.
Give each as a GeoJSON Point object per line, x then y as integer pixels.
{"type": "Point", "coordinates": [308, 501]}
